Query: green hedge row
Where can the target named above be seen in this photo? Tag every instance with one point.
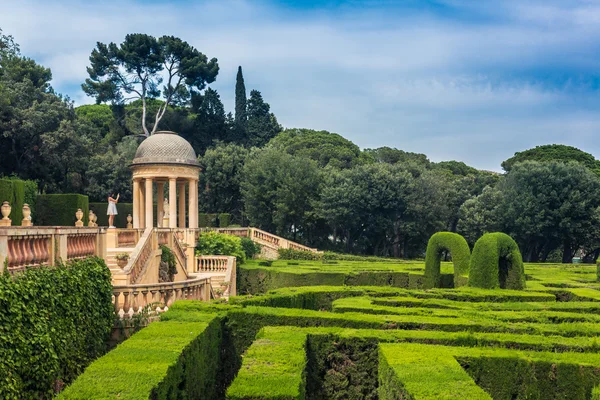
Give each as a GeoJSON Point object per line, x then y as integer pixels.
{"type": "Point", "coordinates": [272, 368]}
{"type": "Point", "coordinates": [458, 248]}
{"type": "Point", "coordinates": [123, 210]}
{"type": "Point", "coordinates": [222, 220]}
{"type": "Point", "coordinates": [60, 209]}
{"type": "Point", "coordinates": [291, 254]}
{"type": "Point", "coordinates": [255, 280]}
{"type": "Point", "coordinates": [53, 322]}
{"type": "Point", "coordinates": [165, 360]}
{"type": "Point", "coordinates": [13, 191]}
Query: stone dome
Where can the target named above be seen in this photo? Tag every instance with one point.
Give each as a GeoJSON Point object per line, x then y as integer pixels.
{"type": "Point", "coordinates": [164, 147]}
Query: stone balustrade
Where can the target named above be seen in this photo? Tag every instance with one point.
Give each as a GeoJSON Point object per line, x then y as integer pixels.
{"type": "Point", "coordinates": [129, 300]}
{"type": "Point", "coordinates": [141, 256]}
{"type": "Point", "coordinates": [213, 263]}
{"type": "Point", "coordinates": [34, 246]}
{"type": "Point", "coordinates": [80, 245]}
{"type": "Point", "coordinates": [128, 237]}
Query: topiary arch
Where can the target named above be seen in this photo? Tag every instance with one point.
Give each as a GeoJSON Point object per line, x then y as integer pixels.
{"type": "Point", "coordinates": [458, 248]}
{"type": "Point", "coordinates": [496, 262]}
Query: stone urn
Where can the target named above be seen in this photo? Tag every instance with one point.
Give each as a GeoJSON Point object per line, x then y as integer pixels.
{"type": "Point", "coordinates": [129, 221]}
{"type": "Point", "coordinates": [26, 215]}
{"type": "Point", "coordinates": [6, 208]}
{"type": "Point", "coordinates": [91, 218]}
{"type": "Point", "coordinates": [122, 259]}
{"type": "Point", "coordinates": [79, 216]}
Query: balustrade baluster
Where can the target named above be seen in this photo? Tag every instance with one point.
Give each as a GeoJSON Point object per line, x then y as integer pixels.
{"type": "Point", "coordinates": [116, 296]}
{"type": "Point", "coordinates": [126, 306]}
{"type": "Point", "coordinates": [144, 297]}
{"type": "Point", "coordinates": [135, 302]}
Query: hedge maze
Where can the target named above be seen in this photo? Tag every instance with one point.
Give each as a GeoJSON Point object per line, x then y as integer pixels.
{"type": "Point", "coordinates": [374, 332]}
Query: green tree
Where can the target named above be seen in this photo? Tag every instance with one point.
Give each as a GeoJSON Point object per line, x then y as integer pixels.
{"type": "Point", "coordinates": [209, 121]}
{"type": "Point", "coordinates": [133, 70]}
{"type": "Point", "coordinates": [394, 156]}
{"type": "Point", "coordinates": [108, 172]}
{"type": "Point", "coordinates": [553, 152]}
{"type": "Point", "coordinates": [479, 215]}
{"type": "Point", "coordinates": [220, 179]}
{"type": "Point", "coordinates": [241, 116]}
{"type": "Point", "coordinates": [327, 149]}
{"type": "Point", "coordinates": [280, 192]}
{"type": "Point", "coordinates": [262, 125]}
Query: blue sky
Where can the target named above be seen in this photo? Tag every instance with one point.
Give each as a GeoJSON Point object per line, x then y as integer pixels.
{"type": "Point", "coordinates": [468, 80]}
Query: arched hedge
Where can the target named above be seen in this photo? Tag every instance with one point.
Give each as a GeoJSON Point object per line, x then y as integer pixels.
{"type": "Point", "coordinates": [496, 262]}
{"type": "Point", "coordinates": [458, 248]}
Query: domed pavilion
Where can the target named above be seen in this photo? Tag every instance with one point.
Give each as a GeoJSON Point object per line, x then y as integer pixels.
{"type": "Point", "coordinates": [165, 158]}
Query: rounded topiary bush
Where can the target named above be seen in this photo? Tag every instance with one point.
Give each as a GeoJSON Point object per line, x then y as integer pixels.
{"type": "Point", "coordinates": [496, 262]}
{"type": "Point", "coordinates": [458, 248]}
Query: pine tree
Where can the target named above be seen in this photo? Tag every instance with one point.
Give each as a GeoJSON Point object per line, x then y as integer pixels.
{"type": "Point", "coordinates": [241, 117]}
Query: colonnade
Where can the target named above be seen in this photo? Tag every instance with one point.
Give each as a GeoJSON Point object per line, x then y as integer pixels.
{"type": "Point", "coordinates": [143, 202]}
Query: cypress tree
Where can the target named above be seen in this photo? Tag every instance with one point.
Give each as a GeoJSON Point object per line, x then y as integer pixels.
{"type": "Point", "coordinates": [241, 117]}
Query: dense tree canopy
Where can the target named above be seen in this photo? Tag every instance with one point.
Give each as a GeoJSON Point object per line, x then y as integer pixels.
{"type": "Point", "coordinates": [134, 69]}
{"type": "Point", "coordinates": [553, 152]}
{"type": "Point", "coordinates": [312, 186]}
{"type": "Point", "coordinates": [327, 149]}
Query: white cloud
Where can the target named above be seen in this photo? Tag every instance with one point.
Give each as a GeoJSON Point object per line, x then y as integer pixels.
{"type": "Point", "coordinates": [459, 87]}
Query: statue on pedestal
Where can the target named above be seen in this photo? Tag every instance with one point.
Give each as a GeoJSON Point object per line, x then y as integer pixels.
{"type": "Point", "coordinates": [166, 214]}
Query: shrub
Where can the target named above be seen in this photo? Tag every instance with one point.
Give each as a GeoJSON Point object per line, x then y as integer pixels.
{"type": "Point", "coordinates": [458, 248]}
{"type": "Point", "coordinates": [60, 209]}
{"type": "Point", "coordinates": [214, 243]}
{"type": "Point", "coordinates": [54, 322]}
{"type": "Point", "coordinates": [167, 259]}
{"type": "Point", "coordinates": [250, 248]}
{"type": "Point", "coordinates": [496, 262]}
{"type": "Point", "coordinates": [291, 254]}
{"type": "Point", "coordinates": [120, 219]}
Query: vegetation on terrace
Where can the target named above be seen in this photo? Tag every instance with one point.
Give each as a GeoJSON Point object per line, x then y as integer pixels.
{"type": "Point", "coordinates": [369, 342]}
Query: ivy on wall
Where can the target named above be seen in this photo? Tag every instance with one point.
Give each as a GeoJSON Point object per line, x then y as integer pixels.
{"type": "Point", "coordinates": [54, 321]}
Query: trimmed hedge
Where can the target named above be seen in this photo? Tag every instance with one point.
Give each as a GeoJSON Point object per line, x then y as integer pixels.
{"type": "Point", "coordinates": [53, 322]}
{"type": "Point", "coordinates": [424, 373]}
{"type": "Point", "coordinates": [224, 220]}
{"type": "Point", "coordinates": [165, 360]}
{"type": "Point", "coordinates": [272, 368]}
{"type": "Point", "coordinates": [60, 209]}
{"type": "Point", "coordinates": [440, 372]}
{"type": "Point", "coordinates": [120, 219]}
{"type": "Point", "coordinates": [496, 262]}
{"type": "Point", "coordinates": [13, 191]}
{"type": "Point", "coordinates": [458, 248]}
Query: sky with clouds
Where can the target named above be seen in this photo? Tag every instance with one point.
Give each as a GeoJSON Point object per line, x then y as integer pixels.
{"type": "Point", "coordinates": [473, 81]}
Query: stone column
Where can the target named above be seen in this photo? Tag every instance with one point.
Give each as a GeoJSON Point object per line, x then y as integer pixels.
{"type": "Point", "coordinates": [193, 204]}
{"type": "Point", "coordinates": [172, 203]}
{"type": "Point", "coordinates": [142, 204]}
{"type": "Point", "coordinates": [160, 198]}
{"type": "Point", "coordinates": [136, 203]}
{"type": "Point", "coordinates": [181, 205]}
{"type": "Point", "coordinates": [149, 213]}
